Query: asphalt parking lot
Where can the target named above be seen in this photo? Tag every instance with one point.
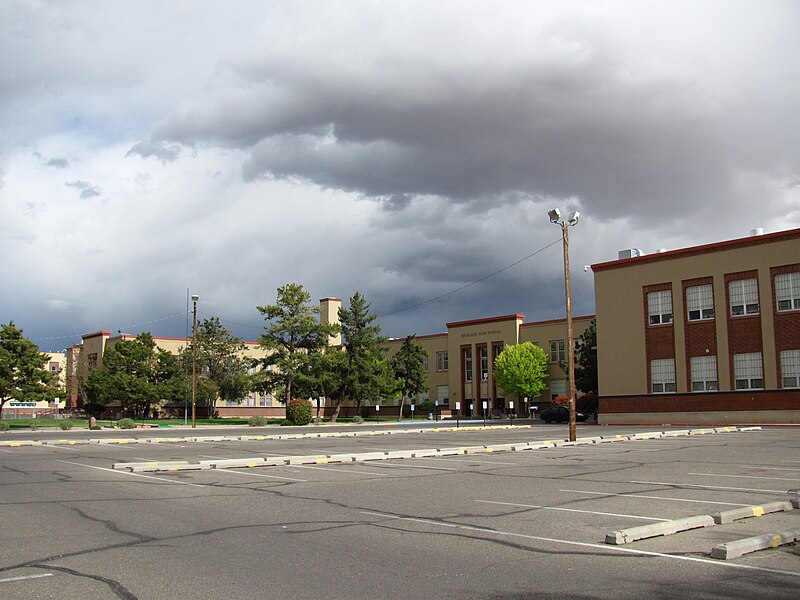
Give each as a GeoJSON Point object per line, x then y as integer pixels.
{"type": "Point", "coordinates": [502, 525]}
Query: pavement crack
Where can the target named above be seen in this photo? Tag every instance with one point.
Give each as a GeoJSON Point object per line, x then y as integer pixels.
{"type": "Point", "coordinates": [119, 590]}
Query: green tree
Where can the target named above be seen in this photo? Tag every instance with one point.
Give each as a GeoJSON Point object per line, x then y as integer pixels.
{"type": "Point", "coordinates": [23, 375]}
{"type": "Point", "coordinates": [137, 374]}
{"type": "Point", "coordinates": [586, 360]}
{"type": "Point", "coordinates": [294, 337]}
{"type": "Point", "coordinates": [222, 366]}
{"type": "Point", "coordinates": [409, 369]}
{"type": "Point", "coordinates": [521, 369]}
{"type": "Point", "coordinates": [368, 376]}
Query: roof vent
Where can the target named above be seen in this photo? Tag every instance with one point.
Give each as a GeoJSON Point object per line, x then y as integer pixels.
{"type": "Point", "coordinates": [757, 231]}
{"type": "Point", "coordinates": [629, 253]}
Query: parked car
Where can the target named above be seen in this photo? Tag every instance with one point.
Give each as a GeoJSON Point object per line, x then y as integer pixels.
{"type": "Point", "coordinates": [559, 414]}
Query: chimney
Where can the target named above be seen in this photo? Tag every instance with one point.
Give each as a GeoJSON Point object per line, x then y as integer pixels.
{"type": "Point", "coordinates": [329, 313]}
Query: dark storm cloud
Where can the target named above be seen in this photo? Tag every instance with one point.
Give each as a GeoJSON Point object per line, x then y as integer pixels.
{"type": "Point", "coordinates": [568, 111]}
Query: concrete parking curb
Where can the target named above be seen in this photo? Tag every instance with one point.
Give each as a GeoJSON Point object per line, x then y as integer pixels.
{"type": "Point", "coordinates": [752, 544]}
{"type": "Point", "coordinates": [747, 512]}
{"type": "Point", "coordinates": [382, 455]}
{"type": "Point", "coordinates": [632, 534]}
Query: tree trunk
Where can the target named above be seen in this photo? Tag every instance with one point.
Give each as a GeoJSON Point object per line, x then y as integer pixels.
{"type": "Point", "coordinates": [402, 405]}
{"type": "Point", "coordinates": [336, 409]}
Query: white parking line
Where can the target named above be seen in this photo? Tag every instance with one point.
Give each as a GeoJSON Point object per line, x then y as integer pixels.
{"type": "Point", "coordinates": [601, 547]}
{"type": "Point", "coordinates": [467, 460]}
{"type": "Point", "coordinates": [410, 466]}
{"type": "Point", "coordinates": [765, 468]}
{"type": "Point", "coordinates": [234, 472]}
{"type": "Point", "coordinates": [134, 474]}
{"type": "Point", "coordinates": [345, 470]}
{"type": "Point", "coordinates": [745, 476]}
{"type": "Point", "coordinates": [575, 510]}
{"type": "Point", "coordinates": [710, 487]}
{"type": "Point", "coordinates": [26, 577]}
{"type": "Point", "coordinates": [653, 497]}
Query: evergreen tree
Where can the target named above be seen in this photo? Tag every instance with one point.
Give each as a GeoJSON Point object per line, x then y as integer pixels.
{"type": "Point", "coordinates": [368, 376]}
{"type": "Point", "coordinates": [293, 336]}
{"type": "Point", "coordinates": [222, 367]}
{"type": "Point", "coordinates": [409, 369]}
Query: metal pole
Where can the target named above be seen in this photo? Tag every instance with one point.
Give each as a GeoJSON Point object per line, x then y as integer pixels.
{"type": "Point", "coordinates": [573, 433]}
{"type": "Point", "coordinates": [194, 366]}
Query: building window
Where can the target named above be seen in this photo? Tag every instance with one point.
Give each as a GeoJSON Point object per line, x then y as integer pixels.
{"type": "Point", "coordinates": [787, 291]}
{"type": "Point", "coordinates": [468, 364]}
{"type": "Point", "coordinates": [442, 395]}
{"type": "Point", "coordinates": [790, 368]}
{"type": "Point", "coordinates": [54, 367]}
{"type": "Point", "coordinates": [700, 302]}
{"type": "Point", "coordinates": [441, 361]}
{"type": "Point", "coordinates": [704, 373]}
{"type": "Point", "coordinates": [558, 387]}
{"type": "Point", "coordinates": [743, 295]}
{"type": "Point", "coordinates": [662, 376]}
{"type": "Point", "coordinates": [659, 307]}
{"type": "Point", "coordinates": [748, 371]}
{"type": "Point", "coordinates": [556, 351]}
{"type": "Point", "coordinates": [484, 356]}
{"type": "Point", "coordinates": [425, 362]}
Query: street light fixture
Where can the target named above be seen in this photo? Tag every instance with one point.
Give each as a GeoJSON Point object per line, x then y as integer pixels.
{"type": "Point", "coordinates": [195, 298]}
{"type": "Point", "coordinates": [555, 218]}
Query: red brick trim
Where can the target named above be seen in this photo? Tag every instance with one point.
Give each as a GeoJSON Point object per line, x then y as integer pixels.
{"type": "Point", "coordinates": [703, 402]}
{"type": "Point", "coordinates": [486, 320]}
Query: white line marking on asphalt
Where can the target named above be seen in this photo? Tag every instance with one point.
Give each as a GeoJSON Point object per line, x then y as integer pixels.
{"type": "Point", "coordinates": [603, 547]}
{"type": "Point", "coordinates": [9, 451]}
{"type": "Point", "coordinates": [347, 470]}
{"type": "Point", "coordinates": [575, 510]}
{"type": "Point", "coordinates": [233, 471]}
{"type": "Point", "coordinates": [745, 476]}
{"type": "Point", "coordinates": [711, 487]}
{"type": "Point", "coordinates": [134, 474]}
{"type": "Point", "coordinates": [26, 577]}
{"type": "Point", "coordinates": [653, 497]}
{"type": "Point", "coordinates": [212, 457]}
{"type": "Point", "coordinates": [467, 460]}
{"type": "Point", "coordinates": [765, 468]}
{"type": "Point", "coordinates": [410, 466]}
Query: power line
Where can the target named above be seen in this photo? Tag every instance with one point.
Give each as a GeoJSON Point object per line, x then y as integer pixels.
{"type": "Point", "coordinates": [463, 287]}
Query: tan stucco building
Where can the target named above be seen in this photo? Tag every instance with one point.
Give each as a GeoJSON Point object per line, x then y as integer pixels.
{"type": "Point", "coordinates": [460, 362]}
{"type": "Point", "coordinates": [703, 334]}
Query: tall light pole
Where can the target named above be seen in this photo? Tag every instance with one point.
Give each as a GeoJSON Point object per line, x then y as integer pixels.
{"type": "Point", "coordinates": [195, 298]}
{"type": "Point", "coordinates": [555, 217]}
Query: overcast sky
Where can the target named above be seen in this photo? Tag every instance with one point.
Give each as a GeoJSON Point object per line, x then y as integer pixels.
{"type": "Point", "coordinates": [402, 149]}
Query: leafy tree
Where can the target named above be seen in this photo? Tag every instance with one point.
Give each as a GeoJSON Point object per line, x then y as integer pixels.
{"type": "Point", "coordinates": [409, 369]}
{"type": "Point", "coordinates": [330, 376]}
{"type": "Point", "coordinates": [521, 369]}
{"type": "Point", "coordinates": [222, 367]}
{"type": "Point", "coordinates": [293, 336]}
{"type": "Point", "coordinates": [23, 375]}
{"type": "Point", "coordinates": [368, 374]}
{"type": "Point", "coordinates": [137, 374]}
{"type": "Point", "coordinates": [586, 360]}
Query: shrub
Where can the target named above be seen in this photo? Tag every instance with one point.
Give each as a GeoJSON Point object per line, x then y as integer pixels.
{"type": "Point", "coordinates": [257, 421]}
{"type": "Point", "coordinates": [358, 419]}
{"type": "Point", "coordinates": [299, 412]}
{"type": "Point", "coordinates": [126, 424]}
{"type": "Point", "coordinates": [561, 401]}
{"type": "Point", "coordinates": [65, 425]}
{"type": "Point", "coordinates": [285, 423]}
{"type": "Point", "coordinates": [317, 420]}
{"type": "Point", "coordinates": [95, 427]}
{"type": "Point", "coordinates": [4, 426]}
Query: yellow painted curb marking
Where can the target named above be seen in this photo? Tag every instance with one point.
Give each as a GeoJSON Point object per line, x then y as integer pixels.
{"type": "Point", "coordinates": [758, 511]}
{"type": "Point", "coordinates": [322, 461]}
{"type": "Point", "coordinates": [776, 541]}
